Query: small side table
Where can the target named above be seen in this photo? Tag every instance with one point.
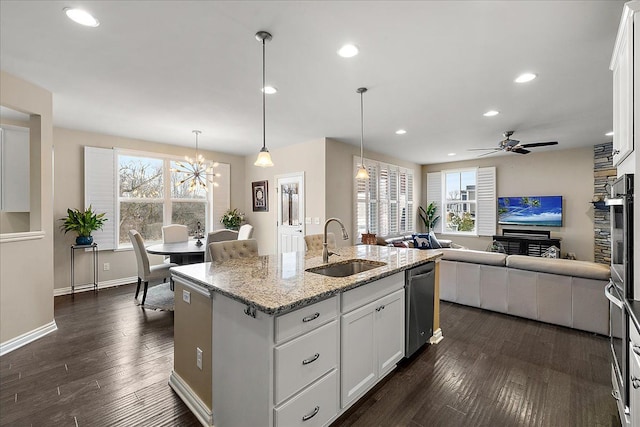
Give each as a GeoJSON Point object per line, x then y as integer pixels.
{"type": "Point", "coordinates": [94, 249]}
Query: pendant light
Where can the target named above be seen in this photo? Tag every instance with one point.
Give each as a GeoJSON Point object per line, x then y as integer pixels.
{"type": "Point", "coordinates": [196, 171]}
{"type": "Point", "coordinates": [362, 171]}
{"type": "Point", "coordinates": [264, 158]}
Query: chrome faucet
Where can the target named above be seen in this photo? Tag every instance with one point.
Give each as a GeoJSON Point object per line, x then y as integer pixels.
{"type": "Point", "coordinates": [325, 251]}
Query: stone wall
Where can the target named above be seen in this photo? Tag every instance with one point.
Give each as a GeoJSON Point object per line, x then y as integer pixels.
{"type": "Point", "coordinates": [603, 173]}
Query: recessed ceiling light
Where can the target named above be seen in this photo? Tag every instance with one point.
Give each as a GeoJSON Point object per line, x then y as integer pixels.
{"type": "Point", "coordinates": [451, 154]}
{"type": "Point", "coordinates": [525, 77]}
{"type": "Point", "coordinates": [348, 51]}
{"type": "Point", "coordinates": [270, 90]}
{"type": "Point", "coordinates": [491, 113]}
{"type": "Point", "coordinates": [81, 17]}
{"type": "Point", "coordinates": [401, 132]}
{"type": "Point", "coordinates": [609, 133]}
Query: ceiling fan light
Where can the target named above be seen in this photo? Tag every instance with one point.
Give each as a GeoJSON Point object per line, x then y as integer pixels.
{"type": "Point", "coordinates": [264, 158]}
{"type": "Point", "coordinates": [525, 77]}
{"type": "Point", "coordinates": [81, 17]}
{"type": "Point", "coordinates": [362, 173]}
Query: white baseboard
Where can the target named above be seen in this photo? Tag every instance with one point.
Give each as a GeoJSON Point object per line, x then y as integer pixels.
{"type": "Point", "coordinates": [28, 337]}
{"type": "Point", "coordinates": [436, 337]}
{"type": "Point", "coordinates": [89, 286]}
{"type": "Point", "coordinates": [193, 402]}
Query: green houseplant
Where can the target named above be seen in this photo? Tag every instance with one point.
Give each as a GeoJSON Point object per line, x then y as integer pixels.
{"type": "Point", "coordinates": [428, 216]}
{"type": "Point", "coordinates": [232, 219]}
{"type": "Point", "coordinates": [83, 223]}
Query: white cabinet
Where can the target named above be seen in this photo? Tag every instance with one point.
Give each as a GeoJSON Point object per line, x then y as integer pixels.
{"type": "Point", "coordinates": [14, 169]}
{"type": "Point", "coordinates": [372, 336]}
{"type": "Point", "coordinates": [634, 374]}
{"type": "Point", "coordinates": [623, 67]}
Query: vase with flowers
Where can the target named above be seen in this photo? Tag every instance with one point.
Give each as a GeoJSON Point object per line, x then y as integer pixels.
{"type": "Point", "coordinates": [232, 219]}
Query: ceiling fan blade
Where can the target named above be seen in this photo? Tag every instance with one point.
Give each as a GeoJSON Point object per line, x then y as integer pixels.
{"type": "Point", "coordinates": [478, 149]}
{"type": "Point", "coordinates": [491, 152]}
{"type": "Point", "coordinates": [520, 151]}
{"type": "Point", "coordinates": [539, 144]}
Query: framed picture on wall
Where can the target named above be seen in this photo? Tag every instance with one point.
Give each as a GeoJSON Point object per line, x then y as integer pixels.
{"type": "Point", "coordinates": [260, 192]}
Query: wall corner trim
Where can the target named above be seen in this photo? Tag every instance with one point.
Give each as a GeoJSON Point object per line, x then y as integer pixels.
{"type": "Point", "coordinates": [193, 402]}
{"type": "Point", "coordinates": [26, 338]}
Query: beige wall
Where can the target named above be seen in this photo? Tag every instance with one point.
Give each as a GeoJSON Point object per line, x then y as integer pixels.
{"type": "Point", "coordinates": [566, 173]}
{"type": "Point", "coordinates": [307, 157]}
{"type": "Point", "coordinates": [69, 193]}
{"type": "Point", "coordinates": [26, 266]}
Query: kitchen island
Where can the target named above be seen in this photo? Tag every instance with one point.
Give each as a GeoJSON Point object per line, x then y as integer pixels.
{"type": "Point", "coordinates": [264, 342]}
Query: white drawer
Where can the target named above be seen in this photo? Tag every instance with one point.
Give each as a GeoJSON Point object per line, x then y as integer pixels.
{"type": "Point", "coordinates": [371, 291]}
{"type": "Point", "coordinates": [305, 319]}
{"type": "Point", "coordinates": [303, 360]}
{"type": "Point", "coordinates": [313, 407]}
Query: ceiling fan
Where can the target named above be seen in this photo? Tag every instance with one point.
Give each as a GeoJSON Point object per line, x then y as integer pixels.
{"type": "Point", "coordinates": [512, 145]}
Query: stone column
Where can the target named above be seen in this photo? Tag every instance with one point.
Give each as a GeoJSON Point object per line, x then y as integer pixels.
{"type": "Point", "coordinates": [603, 173]}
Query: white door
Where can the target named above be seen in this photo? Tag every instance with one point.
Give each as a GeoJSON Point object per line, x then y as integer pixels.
{"type": "Point", "coordinates": [290, 212]}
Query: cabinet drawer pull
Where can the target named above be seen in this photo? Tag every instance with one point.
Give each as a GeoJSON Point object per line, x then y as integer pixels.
{"type": "Point", "coordinates": [310, 318]}
{"type": "Point", "coordinates": [380, 308]}
{"type": "Point", "coordinates": [635, 382]}
{"type": "Point", "coordinates": [312, 414]}
{"type": "Point", "coordinates": [636, 349]}
{"type": "Point", "coordinates": [615, 394]}
{"type": "Point", "coordinates": [311, 359]}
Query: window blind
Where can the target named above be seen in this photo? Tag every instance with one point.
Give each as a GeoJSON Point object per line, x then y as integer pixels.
{"type": "Point", "coordinates": [100, 192]}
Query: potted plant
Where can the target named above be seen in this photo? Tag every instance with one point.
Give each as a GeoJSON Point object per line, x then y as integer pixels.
{"type": "Point", "coordinates": [232, 219]}
{"type": "Point", "coordinates": [428, 216]}
{"type": "Point", "coordinates": [83, 223]}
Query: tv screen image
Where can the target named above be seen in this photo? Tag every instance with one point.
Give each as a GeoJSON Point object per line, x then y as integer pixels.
{"type": "Point", "coordinates": [530, 210]}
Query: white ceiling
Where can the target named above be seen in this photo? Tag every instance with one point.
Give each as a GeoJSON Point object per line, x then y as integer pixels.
{"type": "Point", "coordinates": [155, 70]}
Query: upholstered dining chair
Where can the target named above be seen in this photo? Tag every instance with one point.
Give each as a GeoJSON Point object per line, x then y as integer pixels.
{"type": "Point", "coordinates": [175, 233]}
{"type": "Point", "coordinates": [218, 236]}
{"type": "Point", "coordinates": [146, 272]}
{"type": "Point", "coordinates": [245, 232]}
{"type": "Point", "coordinates": [230, 249]}
{"type": "Point", "coordinates": [314, 241]}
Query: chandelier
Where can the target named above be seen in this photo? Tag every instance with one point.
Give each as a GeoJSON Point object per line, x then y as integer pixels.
{"type": "Point", "coordinates": [197, 172]}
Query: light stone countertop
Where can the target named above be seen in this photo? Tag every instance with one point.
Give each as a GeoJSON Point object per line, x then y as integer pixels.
{"type": "Point", "coordinates": [277, 284]}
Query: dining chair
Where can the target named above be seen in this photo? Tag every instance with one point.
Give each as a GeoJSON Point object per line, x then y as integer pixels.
{"type": "Point", "coordinates": [146, 272]}
{"type": "Point", "coordinates": [314, 241]}
{"type": "Point", "coordinates": [245, 232]}
{"type": "Point", "coordinates": [218, 236]}
{"type": "Point", "coordinates": [175, 233]}
{"type": "Point", "coordinates": [231, 249]}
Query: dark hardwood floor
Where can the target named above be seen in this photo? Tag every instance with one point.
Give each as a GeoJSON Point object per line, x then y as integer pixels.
{"type": "Point", "coordinates": [109, 362]}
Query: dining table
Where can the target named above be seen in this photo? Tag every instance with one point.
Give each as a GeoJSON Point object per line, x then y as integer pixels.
{"type": "Point", "coordinates": [181, 253]}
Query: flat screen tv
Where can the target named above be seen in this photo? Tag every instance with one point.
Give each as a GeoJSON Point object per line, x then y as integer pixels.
{"type": "Point", "coordinates": [530, 210]}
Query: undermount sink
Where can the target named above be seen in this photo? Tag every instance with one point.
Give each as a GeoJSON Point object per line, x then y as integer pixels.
{"type": "Point", "coordinates": [346, 268]}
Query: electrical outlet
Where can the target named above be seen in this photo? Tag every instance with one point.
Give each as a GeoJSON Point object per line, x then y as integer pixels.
{"type": "Point", "coordinates": [106, 266]}
{"type": "Point", "coordinates": [307, 220]}
{"type": "Point", "coordinates": [186, 296]}
{"type": "Point", "coordinates": [199, 358]}
{"type": "Point", "coordinates": [316, 220]}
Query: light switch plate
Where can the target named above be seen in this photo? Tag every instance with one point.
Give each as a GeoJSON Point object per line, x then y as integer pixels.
{"type": "Point", "coordinates": [316, 220]}
{"type": "Point", "coordinates": [307, 220]}
{"type": "Point", "coordinates": [186, 296]}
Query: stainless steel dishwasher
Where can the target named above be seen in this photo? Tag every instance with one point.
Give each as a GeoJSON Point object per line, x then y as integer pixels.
{"type": "Point", "coordinates": [419, 288]}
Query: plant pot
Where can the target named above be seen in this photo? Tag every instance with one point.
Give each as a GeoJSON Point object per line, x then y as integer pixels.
{"type": "Point", "coordinates": [84, 240]}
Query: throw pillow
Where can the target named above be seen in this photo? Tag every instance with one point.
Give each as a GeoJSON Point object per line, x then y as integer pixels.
{"type": "Point", "coordinates": [421, 241]}
{"type": "Point", "coordinates": [434, 241]}
{"type": "Point", "coordinates": [400, 244]}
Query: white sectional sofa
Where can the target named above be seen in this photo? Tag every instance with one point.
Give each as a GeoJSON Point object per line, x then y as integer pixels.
{"type": "Point", "coordinates": [559, 291]}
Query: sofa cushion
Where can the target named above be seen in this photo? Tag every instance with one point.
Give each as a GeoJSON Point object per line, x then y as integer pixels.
{"type": "Point", "coordinates": [476, 257]}
{"type": "Point", "coordinates": [421, 241]}
{"type": "Point", "coordinates": [565, 267]}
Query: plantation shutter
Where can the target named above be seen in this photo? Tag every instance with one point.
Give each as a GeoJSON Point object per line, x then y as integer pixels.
{"type": "Point", "coordinates": [393, 201]}
{"type": "Point", "coordinates": [100, 192]}
{"type": "Point", "coordinates": [486, 200]}
{"type": "Point", "coordinates": [372, 168]}
{"type": "Point", "coordinates": [434, 194]}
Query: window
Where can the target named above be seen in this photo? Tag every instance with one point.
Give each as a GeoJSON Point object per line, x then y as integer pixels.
{"type": "Point", "coordinates": [384, 202]}
{"type": "Point", "coordinates": [460, 201]}
{"type": "Point", "coordinates": [138, 191]}
{"type": "Point", "coordinates": [149, 198]}
{"type": "Point", "coordinates": [469, 200]}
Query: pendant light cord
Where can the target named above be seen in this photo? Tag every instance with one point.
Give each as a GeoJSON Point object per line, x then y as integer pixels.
{"type": "Point", "coordinates": [361, 130]}
{"type": "Point", "coordinates": [264, 127]}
